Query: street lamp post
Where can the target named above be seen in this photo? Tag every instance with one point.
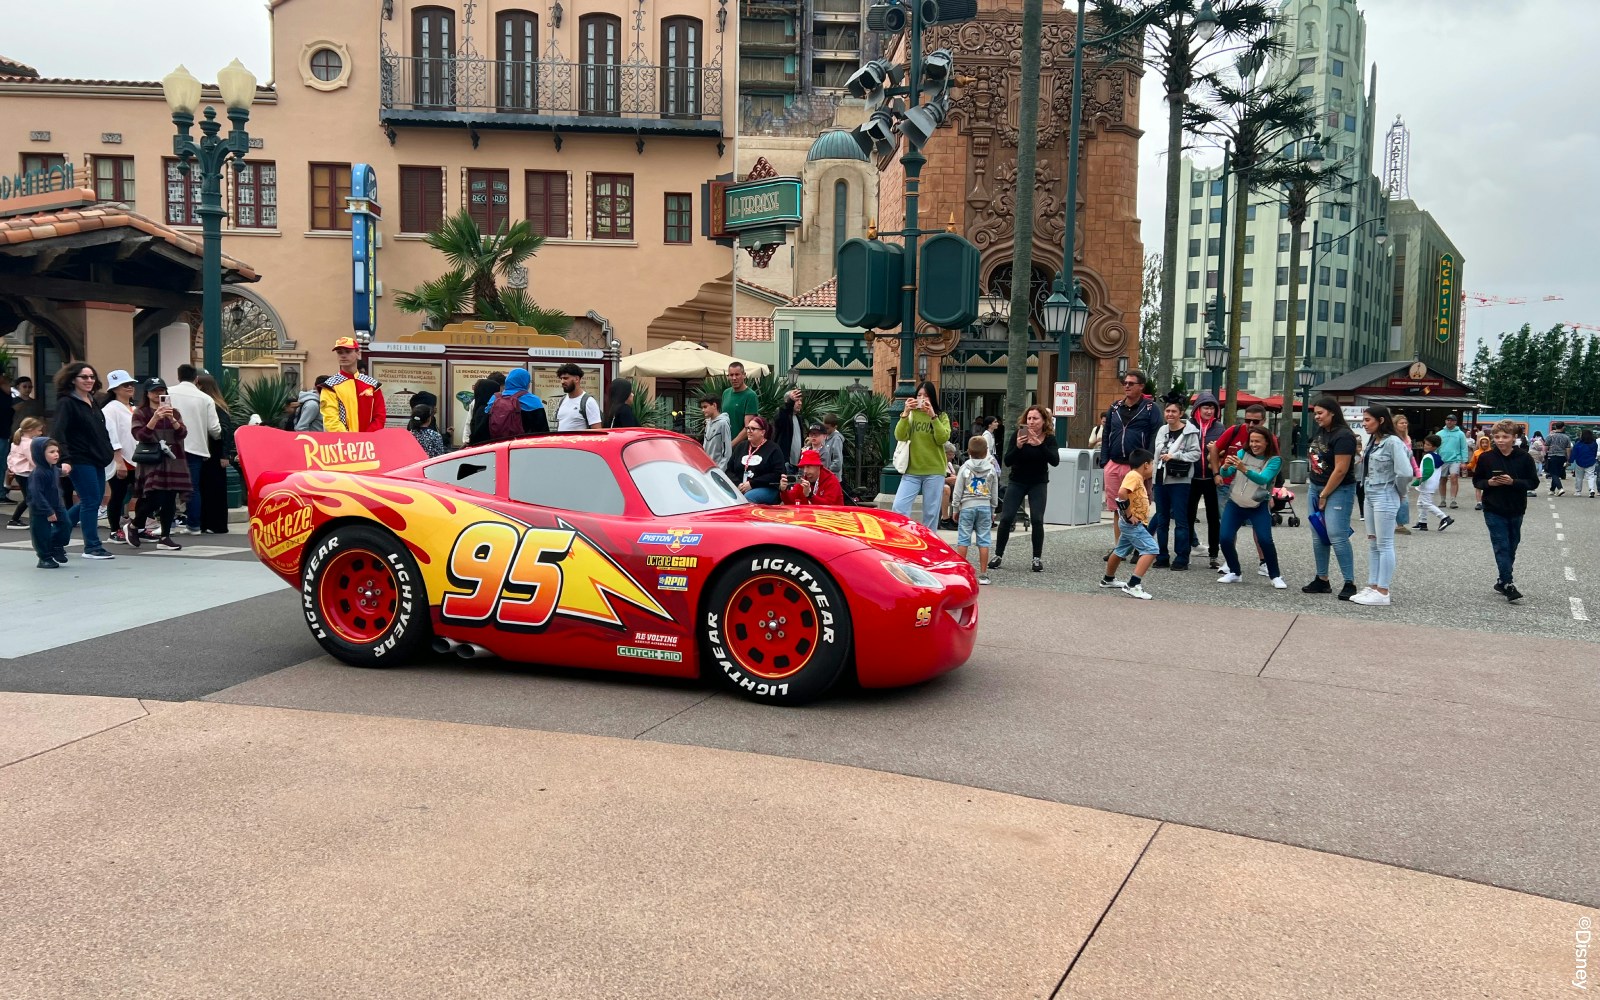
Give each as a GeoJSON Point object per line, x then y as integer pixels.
{"type": "Point", "coordinates": [210, 154]}
{"type": "Point", "coordinates": [1305, 378]}
{"type": "Point", "coordinates": [1216, 355]}
{"type": "Point", "coordinates": [1066, 284]}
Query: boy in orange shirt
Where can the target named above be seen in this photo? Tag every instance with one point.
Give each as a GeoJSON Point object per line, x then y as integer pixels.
{"type": "Point", "coordinates": [1133, 515]}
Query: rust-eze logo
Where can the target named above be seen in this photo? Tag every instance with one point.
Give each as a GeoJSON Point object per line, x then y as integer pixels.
{"type": "Point", "coordinates": [349, 455]}
{"type": "Point", "coordinates": [280, 526]}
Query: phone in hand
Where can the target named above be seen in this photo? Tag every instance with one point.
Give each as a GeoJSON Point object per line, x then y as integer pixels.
{"type": "Point", "coordinates": [164, 400]}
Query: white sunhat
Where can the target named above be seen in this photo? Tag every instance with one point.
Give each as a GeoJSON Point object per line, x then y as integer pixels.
{"type": "Point", "coordinates": [118, 378]}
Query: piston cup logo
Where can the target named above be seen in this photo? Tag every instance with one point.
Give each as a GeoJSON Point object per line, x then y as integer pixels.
{"type": "Point", "coordinates": [278, 529]}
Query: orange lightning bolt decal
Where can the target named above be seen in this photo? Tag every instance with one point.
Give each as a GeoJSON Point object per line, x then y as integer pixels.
{"type": "Point", "coordinates": [592, 579]}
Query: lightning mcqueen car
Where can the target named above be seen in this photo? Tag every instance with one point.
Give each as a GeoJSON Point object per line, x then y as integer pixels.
{"type": "Point", "coordinates": [622, 550]}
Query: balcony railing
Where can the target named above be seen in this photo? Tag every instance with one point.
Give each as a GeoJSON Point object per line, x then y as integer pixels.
{"type": "Point", "coordinates": [838, 7]}
{"type": "Point", "coordinates": [547, 88]}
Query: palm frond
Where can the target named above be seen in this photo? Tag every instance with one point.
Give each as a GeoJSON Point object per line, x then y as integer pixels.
{"type": "Point", "coordinates": [462, 243]}
{"type": "Point", "coordinates": [440, 300]}
{"type": "Point", "coordinates": [513, 305]}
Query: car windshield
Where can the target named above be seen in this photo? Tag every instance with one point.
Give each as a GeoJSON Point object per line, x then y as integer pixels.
{"type": "Point", "coordinates": [675, 477]}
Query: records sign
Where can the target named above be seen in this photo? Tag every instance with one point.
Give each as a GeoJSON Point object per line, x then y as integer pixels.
{"type": "Point", "coordinates": [1447, 295]}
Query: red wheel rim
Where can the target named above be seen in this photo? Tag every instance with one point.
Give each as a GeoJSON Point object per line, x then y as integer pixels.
{"type": "Point", "coordinates": [358, 596]}
{"type": "Point", "coordinates": [771, 626]}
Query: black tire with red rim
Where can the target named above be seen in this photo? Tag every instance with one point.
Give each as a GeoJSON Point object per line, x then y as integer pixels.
{"type": "Point", "coordinates": [777, 628]}
{"type": "Point", "coordinates": [363, 596]}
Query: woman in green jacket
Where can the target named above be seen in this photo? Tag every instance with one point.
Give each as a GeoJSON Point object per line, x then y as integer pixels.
{"type": "Point", "coordinates": [927, 427]}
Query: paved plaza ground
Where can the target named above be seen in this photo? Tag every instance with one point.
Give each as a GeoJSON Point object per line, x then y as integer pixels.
{"type": "Point", "coordinates": [1228, 791]}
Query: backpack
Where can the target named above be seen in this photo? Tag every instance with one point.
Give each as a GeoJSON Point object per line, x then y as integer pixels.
{"type": "Point", "coordinates": [554, 406]}
{"type": "Point", "coordinates": [505, 417]}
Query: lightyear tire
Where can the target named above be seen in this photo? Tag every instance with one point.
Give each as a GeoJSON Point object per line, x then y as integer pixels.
{"type": "Point", "coordinates": [363, 596]}
{"type": "Point", "coordinates": [776, 628]}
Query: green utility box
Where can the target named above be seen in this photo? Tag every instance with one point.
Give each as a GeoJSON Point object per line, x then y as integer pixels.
{"type": "Point", "coordinates": [947, 279]}
{"type": "Point", "coordinates": [870, 272]}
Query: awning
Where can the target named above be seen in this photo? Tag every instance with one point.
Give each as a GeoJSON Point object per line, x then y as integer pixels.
{"type": "Point", "coordinates": [1425, 402]}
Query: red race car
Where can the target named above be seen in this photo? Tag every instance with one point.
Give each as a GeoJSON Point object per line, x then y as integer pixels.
{"type": "Point", "coordinates": [622, 550]}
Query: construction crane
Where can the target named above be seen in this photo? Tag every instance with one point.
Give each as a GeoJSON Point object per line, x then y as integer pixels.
{"type": "Point", "coordinates": [1477, 300]}
{"type": "Point", "coordinates": [1582, 326]}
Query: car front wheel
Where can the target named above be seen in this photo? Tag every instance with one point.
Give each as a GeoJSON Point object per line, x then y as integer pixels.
{"type": "Point", "coordinates": [363, 596]}
{"type": "Point", "coordinates": [777, 628]}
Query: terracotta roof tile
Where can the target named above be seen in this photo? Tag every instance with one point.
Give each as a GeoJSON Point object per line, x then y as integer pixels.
{"type": "Point", "coordinates": [825, 295]}
{"type": "Point", "coordinates": [753, 328]}
{"type": "Point", "coordinates": [63, 222]}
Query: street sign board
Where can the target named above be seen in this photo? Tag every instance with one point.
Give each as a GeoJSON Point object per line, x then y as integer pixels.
{"type": "Point", "coordinates": [771, 202]}
{"type": "Point", "coordinates": [1447, 295]}
{"type": "Point", "coordinates": [364, 214]}
{"type": "Point", "coordinates": [1066, 399]}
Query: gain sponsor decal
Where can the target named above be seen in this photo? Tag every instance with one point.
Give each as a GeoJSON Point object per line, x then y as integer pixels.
{"type": "Point", "coordinates": [672, 562]}
{"type": "Point", "coordinates": [281, 524]}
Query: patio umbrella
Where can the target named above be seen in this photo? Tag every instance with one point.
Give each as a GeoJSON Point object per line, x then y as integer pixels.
{"type": "Point", "coordinates": [685, 359]}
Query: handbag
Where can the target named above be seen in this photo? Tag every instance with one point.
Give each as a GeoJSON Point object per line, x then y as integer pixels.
{"type": "Point", "coordinates": [148, 453]}
{"type": "Point", "coordinates": [902, 456]}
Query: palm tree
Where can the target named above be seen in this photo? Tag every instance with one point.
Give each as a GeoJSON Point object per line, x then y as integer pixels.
{"type": "Point", "coordinates": [1175, 48]}
{"type": "Point", "coordinates": [472, 286]}
{"type": "Point", "coordinates": [1302, 178]}
{"type": "Point", "coordinates": [1020, 330]}
{"type": "Point", "coordinates": [1259, 119]}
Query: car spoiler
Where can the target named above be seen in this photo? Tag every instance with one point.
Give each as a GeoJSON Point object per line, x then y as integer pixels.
{"type": "Point", "coordinates": [267, 454]}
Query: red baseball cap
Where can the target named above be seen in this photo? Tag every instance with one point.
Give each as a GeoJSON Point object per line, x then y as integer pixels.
{"type": "Point", "coordinates": [346, 344]}
{"type": "Point", "coordinates": [810, 457]}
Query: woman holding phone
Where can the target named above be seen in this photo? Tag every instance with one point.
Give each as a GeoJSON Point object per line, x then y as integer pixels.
{"type": "Point", "coordinates": [927, 427]}
{"type": "Point", "coordinates": [157, 423]}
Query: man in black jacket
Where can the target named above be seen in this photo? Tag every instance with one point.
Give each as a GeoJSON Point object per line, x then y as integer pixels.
{"type": "Point", "coordinates": [1505, 474]}
{"type": "Point", "coordinates": [1131, 425]}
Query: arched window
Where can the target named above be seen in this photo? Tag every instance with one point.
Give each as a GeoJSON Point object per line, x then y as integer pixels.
{"type": "Point", "coordinates": [517, 52]}
{"type": "Point", "coordinates": [680, 68]}
{"type": "Point", "coordinates": [433, 38]}
{"type": "Point", "coordinates": [599, 38]}
{"type": "Point", "coordinates": [841, 215]}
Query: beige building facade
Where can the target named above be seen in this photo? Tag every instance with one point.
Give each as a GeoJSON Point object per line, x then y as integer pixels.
{"type": "Point", "coordinates": [601, 125]}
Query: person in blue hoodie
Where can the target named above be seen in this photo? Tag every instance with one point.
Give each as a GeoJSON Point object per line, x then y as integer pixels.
{"type": "Point", "coordinates": [517, 411]}
{"type": "Point", "coordinates": [49, 524]}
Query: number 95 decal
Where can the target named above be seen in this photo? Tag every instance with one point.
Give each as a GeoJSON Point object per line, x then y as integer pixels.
{"type": "Point", "coordinates": [520, 578]}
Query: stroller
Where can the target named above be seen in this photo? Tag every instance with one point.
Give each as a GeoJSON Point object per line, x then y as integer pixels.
{"type": "Point", "coordinates": [1282, 506]}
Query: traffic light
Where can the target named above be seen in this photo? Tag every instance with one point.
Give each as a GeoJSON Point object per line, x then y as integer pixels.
{"type": "Point", "coordinates": [947, 282]}
{"type": "Point", "coordinates": [870, 274]}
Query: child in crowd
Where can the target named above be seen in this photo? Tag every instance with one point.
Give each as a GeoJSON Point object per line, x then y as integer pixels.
{"type": "Point", "coordinates": [1427, 484]}
{"type": "Point", "coordinates": [716, 439]}
{"type": "Point", "coordinates": [49, 525]}
{"type": "Point", "coordinates": [974, 500]}
{"type": "Point", "coordinates": [833, 446]}
{"type": "Point", "coordinates": [19, 463]}
{"type": "Point", "coordinates": [1133, 509]}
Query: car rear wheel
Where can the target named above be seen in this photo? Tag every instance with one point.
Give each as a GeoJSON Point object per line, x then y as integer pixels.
{"type": "Point", "coordinates": [363, 596]}
{"type": "Point", "coordinates": [777, 628]}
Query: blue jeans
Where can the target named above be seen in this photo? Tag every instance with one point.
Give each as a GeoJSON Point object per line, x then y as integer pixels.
{"type": "Point", "coordinates": [89, 488]}
{"type": "Point", "coordinates": [1383, 503]}
{"type": "Point", "coordinates": [931, 488]}
{"type": "Point", "coordinates": [1505, 534]}
{"type": "Point", "coordinates": [1336, 513]}
{"type": "Point", "coordinates": [1259, 518]}
{"type": "Point", "coordinates": [1172, 505]}
{"type": "Point", "coordinates": [762, 494]}
{"type": "Point", "coordinates": [191, 514]}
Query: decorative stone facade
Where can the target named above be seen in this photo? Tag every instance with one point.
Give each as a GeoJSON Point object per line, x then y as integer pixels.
{"type": "Point", "coordinates": [971, 176]}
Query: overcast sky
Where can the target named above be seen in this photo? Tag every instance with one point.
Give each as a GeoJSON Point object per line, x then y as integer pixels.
{"type": "Point", "coordinates": [1505, 141]}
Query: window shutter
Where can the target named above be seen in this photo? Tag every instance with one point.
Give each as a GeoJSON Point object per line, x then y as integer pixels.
{"type": "Point", "coordinates": [558, 206]}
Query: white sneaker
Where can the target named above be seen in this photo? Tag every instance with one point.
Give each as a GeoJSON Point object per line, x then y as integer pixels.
{"type": "Point", "coordinates": [1278, 584]}
{"type": "Point", "coordinates": [1229, 578]}
{"type": "Point", "coordinates": [1137, 591]}
{"type": "Point", "coordinates": [1261, 570]}
{"type": "Point", "coordinates": [1113, 585]}
{"type": "Point", "coordinates": [983, 579]}
{"type": "Point", "coordinates": [1372, 599]}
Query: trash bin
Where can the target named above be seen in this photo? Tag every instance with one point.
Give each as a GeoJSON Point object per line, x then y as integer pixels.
{"type": "Point", "coordinates": [1298, 470]}
{"type": "Point", "coordinates": [1075, 489]}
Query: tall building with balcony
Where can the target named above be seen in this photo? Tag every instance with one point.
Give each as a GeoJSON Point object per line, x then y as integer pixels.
{"type": "Point", "coordinates": [600, 126]}
{"type": "Point", "coordinates": [1346, 281]}
{"type": "Point", "coordinates": [797, 52]}
{"type": "Point", "coordinates": [1426, 317]}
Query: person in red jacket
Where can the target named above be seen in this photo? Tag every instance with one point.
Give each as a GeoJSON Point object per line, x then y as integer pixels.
{"type": "Point", "coordinates": [816, 485]}
{"type": "Point", "coordinates": [352, 401]}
